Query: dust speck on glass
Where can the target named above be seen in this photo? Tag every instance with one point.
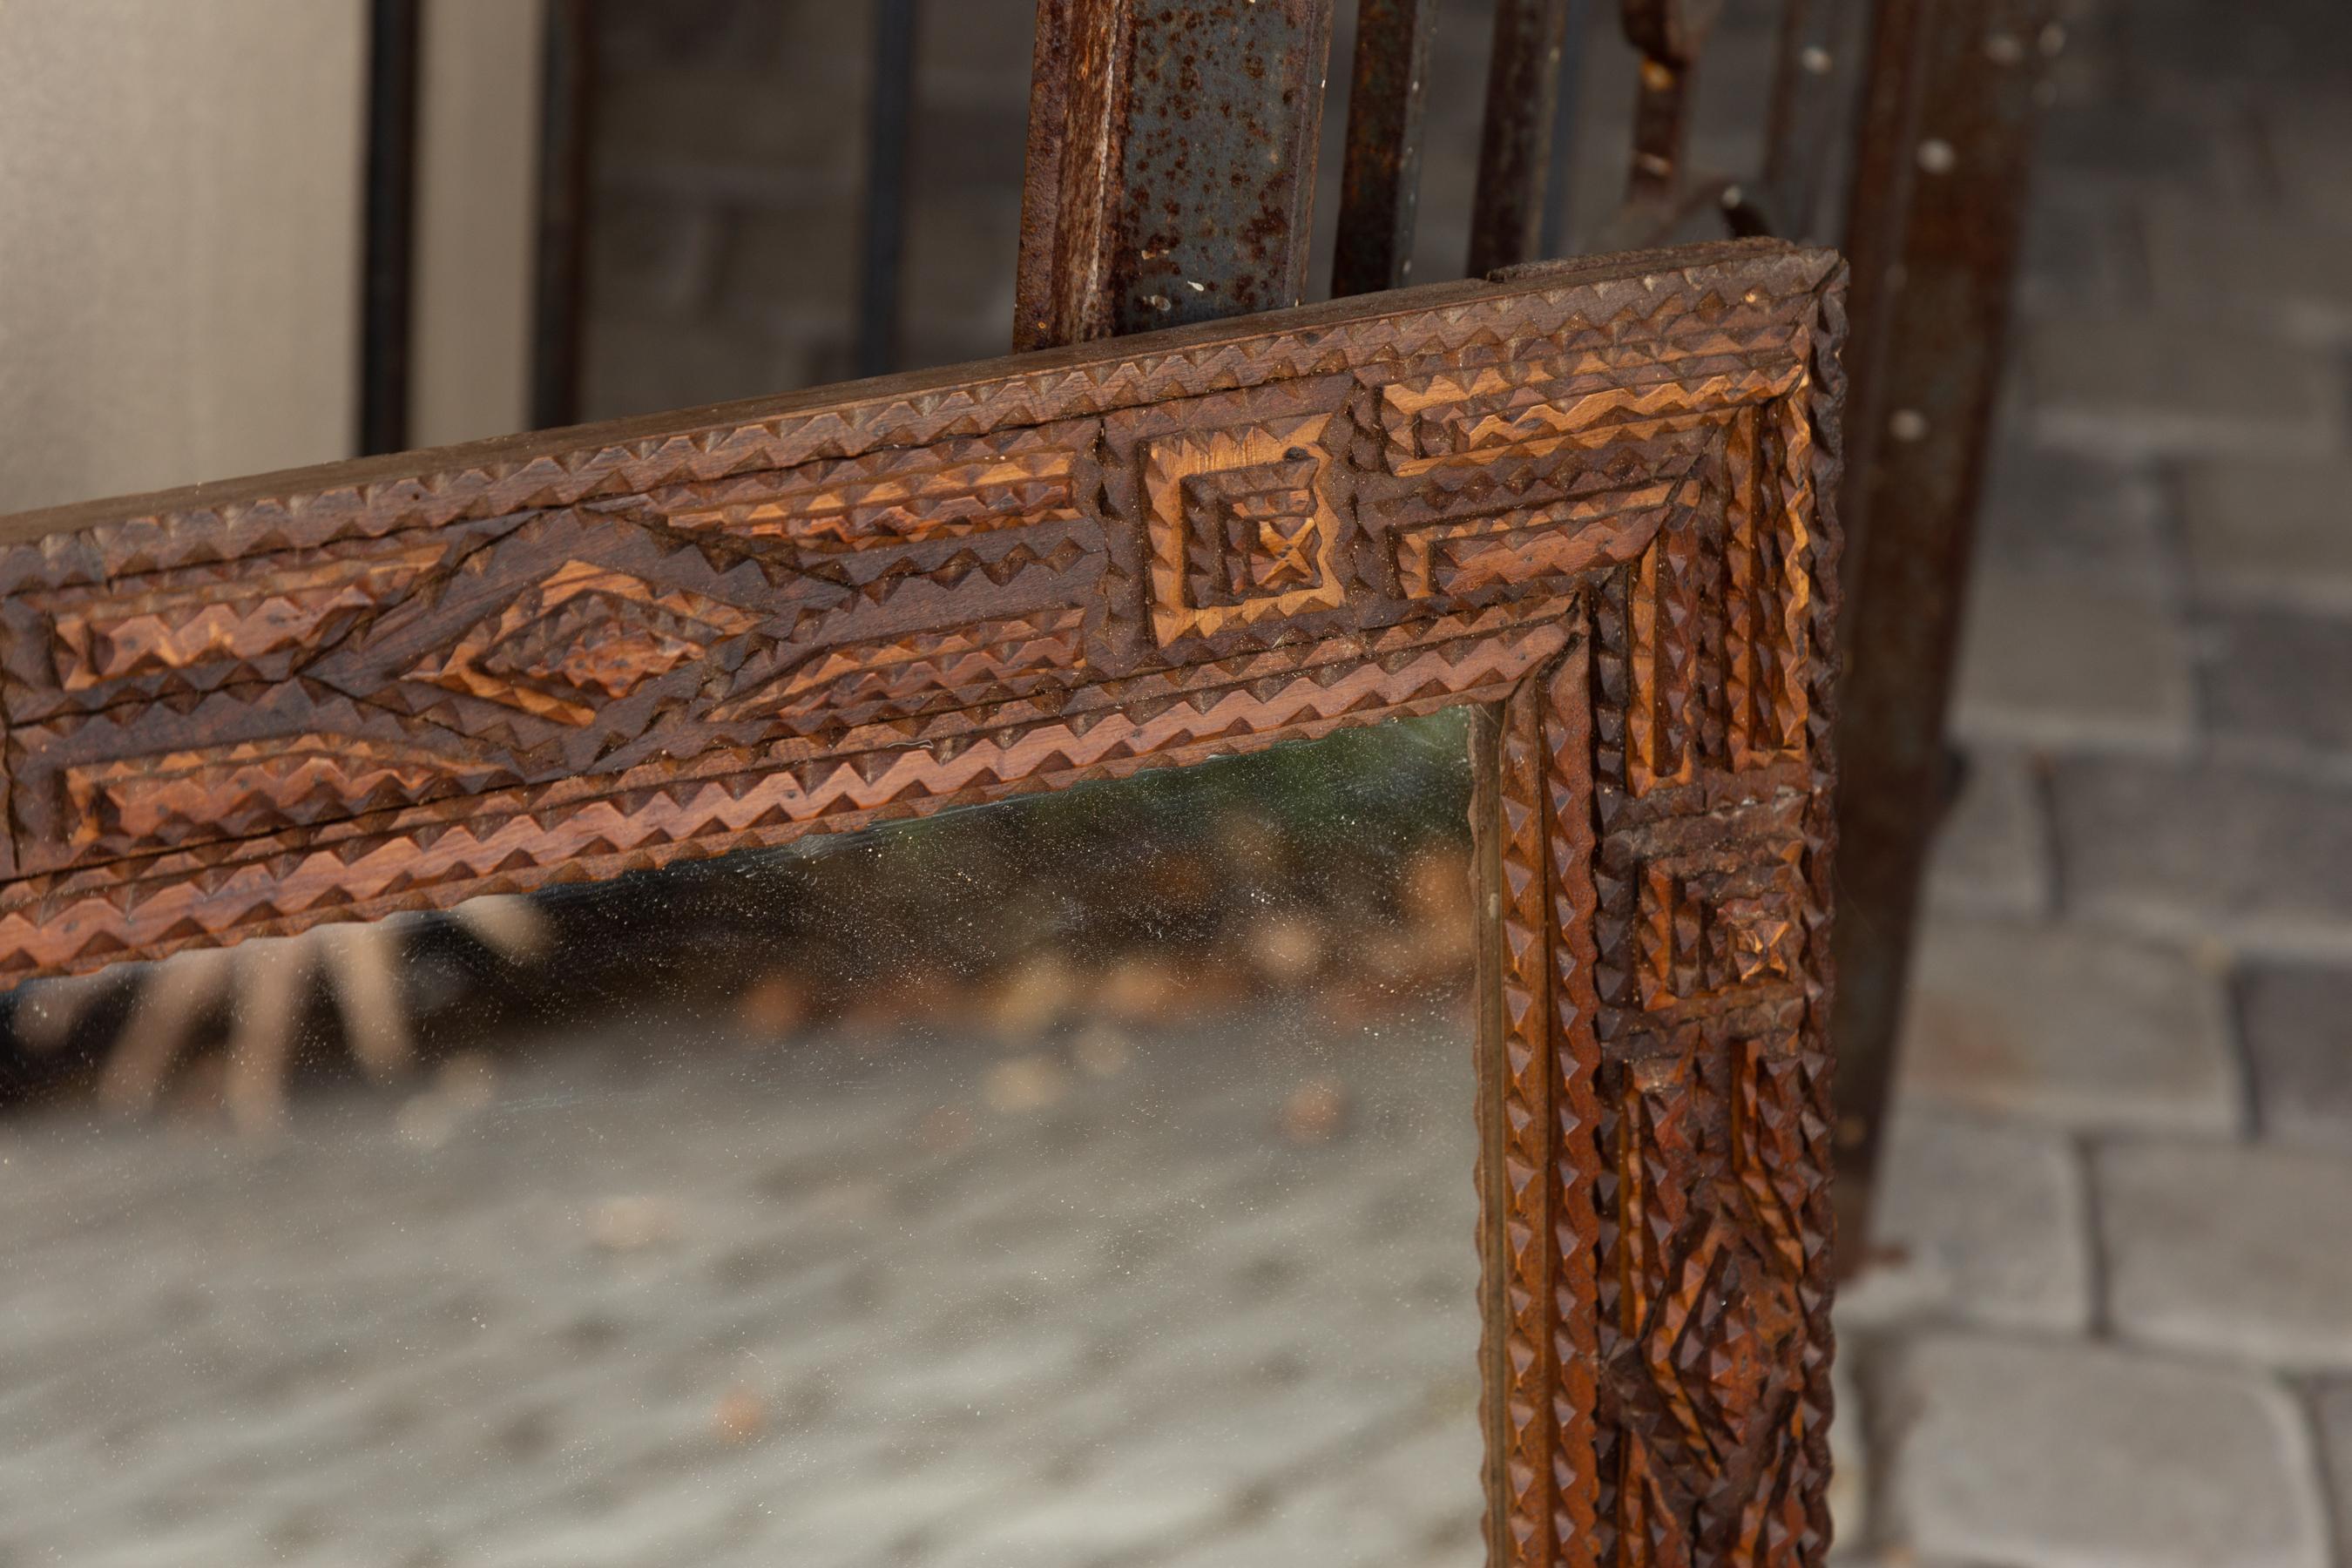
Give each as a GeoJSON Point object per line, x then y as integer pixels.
{"type": "Point", "coordinates": [1082, 1179]}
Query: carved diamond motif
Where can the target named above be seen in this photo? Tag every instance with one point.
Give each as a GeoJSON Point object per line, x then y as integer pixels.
{"type": "Point", "coordinates": [1717, 1350]}
{"type": "Point", "coordinates": [1713, 1261]}
{"type": "Point", "coordinates": [580, 637]}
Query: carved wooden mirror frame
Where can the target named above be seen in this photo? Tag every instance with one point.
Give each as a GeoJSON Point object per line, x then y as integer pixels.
{"type": "Point", "coordinates": [1593, 499]}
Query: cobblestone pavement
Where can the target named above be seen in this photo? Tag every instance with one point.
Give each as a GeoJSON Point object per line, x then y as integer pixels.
{"type": "Point", "coordinates": [674, 1297]}
{"type": "Point", "coordinates": [2115, 1326]}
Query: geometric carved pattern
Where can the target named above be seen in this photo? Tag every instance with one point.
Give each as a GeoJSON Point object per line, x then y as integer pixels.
{"type": "Point", "coordinates": [580, 637]}
{"type": "Point", "coordinates": [201, 627]}
{"type": "Point", "coordinates": [1592, 500]}
{"type": "Point", "coordinates": [918, 672]}
{"type": "Point", "coordinates": [1260, 526]}
{"type": "Point", "coordinates": [963, 486]}
{"type": "Point", "coordinates": [1710, 1318]}
{"type": "Point", "coordinates": [1710, 925]}
{"type": "Point", "coordinates": [248, 787]}
{"type": "Point", "coordinates": [1240, 527]}
{"type": "Point", "coordinates": [1537, 407]}
{"type": "Point", "coordinates": [1451, 556]}
{"type": "Point", "coordinates": [1717, 624]}
{"type": "Point", "coordinates": [1656, 842]}
{"type": "Point", "coordinates": [195, 630]}
{"type": "Point", "coordinates": [1712, 855]}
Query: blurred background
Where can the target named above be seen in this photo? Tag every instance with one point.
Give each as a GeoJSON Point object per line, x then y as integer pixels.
{"type": "Point", "coordinates": [1088, 1180]}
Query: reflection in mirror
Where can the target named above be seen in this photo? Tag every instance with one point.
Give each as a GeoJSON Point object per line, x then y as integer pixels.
{"type": "Point", "coordinates": [1085, 1179]}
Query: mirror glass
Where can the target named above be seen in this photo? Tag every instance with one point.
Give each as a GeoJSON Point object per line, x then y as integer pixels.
{"type": "Point", "coordinates": [1085, 1179]}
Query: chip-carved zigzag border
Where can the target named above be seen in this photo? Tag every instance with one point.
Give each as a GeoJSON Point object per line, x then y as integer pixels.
{"type": "Point", "coordinates": [1594, 499]}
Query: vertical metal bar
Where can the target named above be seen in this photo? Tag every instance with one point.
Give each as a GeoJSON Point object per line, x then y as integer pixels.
{"type": "Point", "coordinates": [1937, 215]}
{"type": "Point", "coordinates": [1809, 89]}
{"type": "Point", "coordinates": [1171, 163]}
{"type": "Point", "coordinates": [560, 296]}
{"type": "Point", "coordinates": [1552, 233]}
{"type": "Point", "coordinates": [882, 234]}
{"type": "Point", "coordinates": [387, 281]}
{"type": "Point", "coordinates": [1515, 145]}
{"type": "Point", "coordinates": [1380, 187]}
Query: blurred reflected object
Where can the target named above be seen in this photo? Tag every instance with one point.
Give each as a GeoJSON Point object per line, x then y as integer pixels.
{"type": "Point", "coordinates": [1102, 1050]}
{"type": "Point", "coordinates": [1141, 988]}
{"type": "Point", "coordinates": [632, 1224]}
{"type": "Point", "coordinates": [1026, 1083]}
{"type": "Point", "coordinates": [1035, 997]}
{"type": "Point", "coordinates": [771, 1007]}
{"type": "Point", "coordinates": [1315, 1112]}
{"type": "Point", "coordinates": [741, 1415]}
{"type": "Point", "coordinates": [1287, 948]}
{"type": "Point", "coordinates": [265, 986]}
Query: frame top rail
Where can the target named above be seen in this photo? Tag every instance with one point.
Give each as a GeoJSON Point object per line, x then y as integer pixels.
{"type": "Point", "coordinates": [243, 709]}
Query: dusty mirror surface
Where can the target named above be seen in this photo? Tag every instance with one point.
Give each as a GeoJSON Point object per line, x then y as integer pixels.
{"type": "Point", "coordinates": [1082, 1179]}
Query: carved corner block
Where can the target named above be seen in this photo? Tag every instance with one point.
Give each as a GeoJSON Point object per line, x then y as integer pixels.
{"type": "Point", "coordinates": [1593, 500]}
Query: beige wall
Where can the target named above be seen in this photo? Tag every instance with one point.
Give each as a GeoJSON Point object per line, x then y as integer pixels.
{"type": "Point", "coordinates": [179, 220]}
{"type": "Point", "coordinates": [179, 230]}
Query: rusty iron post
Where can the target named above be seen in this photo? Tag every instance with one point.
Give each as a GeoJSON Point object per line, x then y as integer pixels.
{"type": "Point", "coordinates": [1380, 187]}
{"type": "Point", "coordinates": [1937, 217]}
{"type": "Point", "coordinates": [1170, 163]}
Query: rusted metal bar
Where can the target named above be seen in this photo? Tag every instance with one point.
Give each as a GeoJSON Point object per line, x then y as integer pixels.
{"type": "Point", "coordinates": [1069, 194]}
{"type": "Point", "coordinates": [388, 266]}
{"type": "Point", "coordinates": [1515, 144]}
{"type": "Point", "coordinates": [1171, 163]}
{"type": "Point", "coordinates": [882, 230]}
{"type": "Point", "coordinates": [1936, 217]}
{"type": "Point", "coordinates": [1380, 187]}
{"type": "Point", "coordinates": [559, 304]}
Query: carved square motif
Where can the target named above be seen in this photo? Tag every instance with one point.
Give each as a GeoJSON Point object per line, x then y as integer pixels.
{"type": "Point", "coordinates": [1239, 525]}
{"type": "Point", "coordinates": [1708, 928]}
{"type": "Point", "coordinates": [1252, 530]}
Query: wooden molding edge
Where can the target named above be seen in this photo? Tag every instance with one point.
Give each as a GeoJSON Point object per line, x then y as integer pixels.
{"type": "Point", "coordinates": [1595, 499]}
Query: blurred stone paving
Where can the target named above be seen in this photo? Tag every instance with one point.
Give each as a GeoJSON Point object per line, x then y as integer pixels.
{"type": "Point", "coordinates": [674, 1297]}
{"type": "Point", "coordinates": [2119, 1327]}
